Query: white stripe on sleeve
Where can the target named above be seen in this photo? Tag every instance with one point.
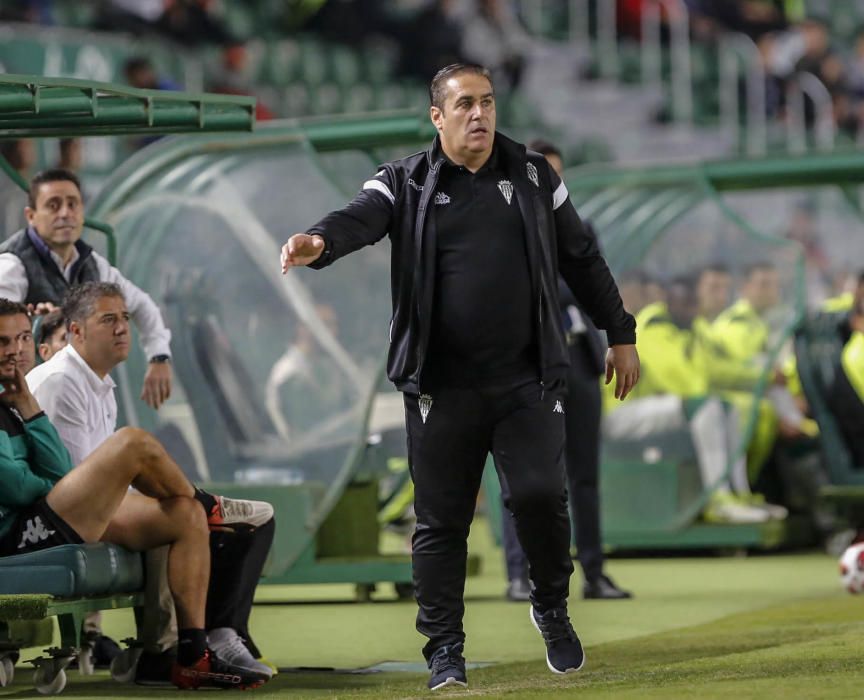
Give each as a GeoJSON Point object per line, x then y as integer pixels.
{"type": "Point", "coordinates": [381, 187]}
{"type": "Point", "coordinates": [560, 196]}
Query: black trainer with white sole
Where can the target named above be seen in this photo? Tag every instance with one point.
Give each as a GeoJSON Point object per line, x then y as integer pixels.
{"type": "Point", "coordinates": [448, 667]}
{"type": "Point", "coordinates": [564, 653]}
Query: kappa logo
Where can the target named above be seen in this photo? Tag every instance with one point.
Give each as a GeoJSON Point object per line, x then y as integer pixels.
{"type": "Point", "coordinates": [558, 407]}
{"type": "Point", "coordinates": [425, 403]}
{"type": "Point", "coordinates": [506, 188]}
{"type": "Point", "coordinates": [441, 198]}
{"type": "Point", "coordinates": [532, 174]}
{"type": "Point", "coordinates": [35, 532]}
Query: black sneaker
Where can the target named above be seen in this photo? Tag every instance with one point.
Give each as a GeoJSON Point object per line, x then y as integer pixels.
{"type": "Point", "coordinates": [564, 653]}
{"type": "Point", "coordinates": [448, 667]}
{"type": "Point", "coordinates": [155, 669]}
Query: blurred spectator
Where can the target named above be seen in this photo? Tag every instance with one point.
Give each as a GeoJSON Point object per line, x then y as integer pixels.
{"type": "Point", "coordinates": [752, 17]}
{"type": "Point", "coordinates": [21, 155]}
{"type": "Point", "coordinates": [431, 40]}
{"type": "Point", "coordinates": [140, 73]}
{"type": "Point", "coordinates": [494, 38]}
{"type": "Point", "coordinates": [71, 154]}
{"type": "Point", "coordinates": [714, 291]}
{"type": "Point", "coordinates": [303, 387]}
{"type": "Point", "coordinates": [639, 289]}
{"type": "Point", "coordinates": [192, 22]}
{"type": "Point", "coordinates": [188, 22]}
{"type": "Point", "coordinates": [803, 230]}
{"type": "Point", "coordinates": [35, 11]}
{"type": "Point", "coordinates": [742, 333]}
{"type": "Point", "coordinates": [352, 21]}
{"type": "Point", "coordinates": [234, 78]}
{"type": "Point", "coordinates": [133, 16]}
{"type": "Point", "coordinates": [856, 65]}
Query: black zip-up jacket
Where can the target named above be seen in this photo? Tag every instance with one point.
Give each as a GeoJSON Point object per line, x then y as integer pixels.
{"type": "Point", "coordinates": [396, 201]}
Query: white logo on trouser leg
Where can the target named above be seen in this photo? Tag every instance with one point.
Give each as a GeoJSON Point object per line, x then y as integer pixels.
{"type": "Point", "coordinates": [558, 407]}
{"type": "Point", "coordinates": [425, 403]}
{"type": "Point", "coordinates": [35, 532]}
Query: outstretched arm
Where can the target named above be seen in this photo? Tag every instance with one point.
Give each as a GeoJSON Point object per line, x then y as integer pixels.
{"type": "Point", "coordinates": [364, 221]}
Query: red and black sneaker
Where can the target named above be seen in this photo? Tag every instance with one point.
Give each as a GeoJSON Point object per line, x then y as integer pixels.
{"type": "Point", "coordinates": [235, 513]}
{"type": "Point", "coordinates": [211, 672]}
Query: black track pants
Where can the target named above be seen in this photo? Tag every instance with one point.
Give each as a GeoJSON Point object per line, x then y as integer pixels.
{"type": "Point", "coordinates": [524, 430]}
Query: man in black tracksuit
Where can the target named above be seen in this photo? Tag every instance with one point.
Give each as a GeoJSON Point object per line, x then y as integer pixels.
{"type": "Point", "coordinates": [479, 230]}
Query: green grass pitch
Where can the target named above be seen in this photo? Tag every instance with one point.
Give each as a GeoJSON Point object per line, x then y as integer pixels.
{"type": "Point", "coordinates": [773, 626]}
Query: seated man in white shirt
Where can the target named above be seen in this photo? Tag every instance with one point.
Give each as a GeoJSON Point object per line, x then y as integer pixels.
{"type": "Point", "coordinates": [40, 263]}
{"type": "Point", "coordinates": [77, 393]}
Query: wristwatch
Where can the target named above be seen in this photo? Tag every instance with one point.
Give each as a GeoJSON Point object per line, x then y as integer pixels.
{"type": "Point", "coordinates": [160, 359]}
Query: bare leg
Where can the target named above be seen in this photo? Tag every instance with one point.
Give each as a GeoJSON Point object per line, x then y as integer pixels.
{"type": "Point", "coordinates": [89, 495]}
{"type": "Point", "coordinates": [143, 523]}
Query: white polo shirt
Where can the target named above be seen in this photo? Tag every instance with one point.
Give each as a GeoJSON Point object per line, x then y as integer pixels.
{"type": "Point", "coordinates": [79, 404]}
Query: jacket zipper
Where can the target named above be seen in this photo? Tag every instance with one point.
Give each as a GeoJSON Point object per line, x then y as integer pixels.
{"type": "Point", "coordinates": [540, 353]}
{"type": "Point", "coordinates": [428, 185]}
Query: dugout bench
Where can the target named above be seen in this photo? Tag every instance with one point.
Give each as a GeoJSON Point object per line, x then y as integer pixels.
{"type": "Point", "coordinates": [65, 582]}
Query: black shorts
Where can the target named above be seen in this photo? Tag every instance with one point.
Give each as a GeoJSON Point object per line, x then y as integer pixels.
{"type": "Point", "coordinates": [37, 527]}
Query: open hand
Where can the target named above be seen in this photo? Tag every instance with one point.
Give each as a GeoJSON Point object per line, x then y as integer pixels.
{"type": "Point", "coordinates": [301, 249]}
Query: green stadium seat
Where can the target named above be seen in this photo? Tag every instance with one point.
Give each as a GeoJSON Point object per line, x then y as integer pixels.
{"type": "Point", "coordinates": [359, 98]}
{"type": "Point", "coordinates": [326, 99]}
{"type": "Point", "coordinates": [314, 63]}
{"type": "Point", "coordinates": [296, 101]}
{"type": "Point", "coordinates": [379, 62]}
{"type": "Point", "coordinates": [345, 65]}
{"type": "Point", "coordinates": [73, 570]}
{"type": "Point", "coordinates": [282, 65]}
{"type": "Point", "coordinates": [391, 96]}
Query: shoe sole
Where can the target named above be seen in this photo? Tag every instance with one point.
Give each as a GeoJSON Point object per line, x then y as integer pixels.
{"type": "Point", "coordinates": [450, 683]}
{"type": "Point", "coordinates": [549, 663]}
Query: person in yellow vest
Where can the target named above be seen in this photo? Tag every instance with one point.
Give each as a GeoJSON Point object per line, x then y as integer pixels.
{"type": "Point", "coordinates": [674, 395]}
{"type": "Point", "coordinates": [742, 333]}
{"type": "Point", "coordinates": [846, 395]}
{"type": "Point", "coordinates": [734, 379]}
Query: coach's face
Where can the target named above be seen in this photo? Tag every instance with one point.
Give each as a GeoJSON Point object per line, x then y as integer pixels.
{"type": "Point", "coordinates": [466, 123]}
{"type": "Point", "coordinates": [103, 338]}
{"type": "Point", "coordinates": [16, 345]}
